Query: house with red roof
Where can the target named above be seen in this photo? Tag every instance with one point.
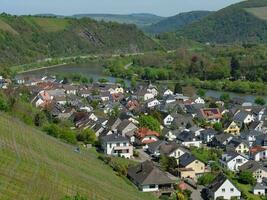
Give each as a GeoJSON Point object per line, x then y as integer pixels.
{"type": "Point", "coordinates": [212, 115]}
{"type": "Point", "coordinates": [258, 153]}
{"type": "Point", "coordinates": [146, 136]}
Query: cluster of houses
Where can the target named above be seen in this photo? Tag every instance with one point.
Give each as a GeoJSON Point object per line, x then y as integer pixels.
{"type": "Point", "coordinates": [187, 122]}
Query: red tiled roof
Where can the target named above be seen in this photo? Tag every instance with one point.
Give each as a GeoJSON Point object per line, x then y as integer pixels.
{"type": "Point", "coordinates": [143, 132]}
{"type": "Point", "coordinates": [211, 113]}
{"type": "Point", "coordinates": [257, 149]}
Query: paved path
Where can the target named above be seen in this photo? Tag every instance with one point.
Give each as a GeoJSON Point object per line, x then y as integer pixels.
{"type": "Point", "coordinates": [143, 156]}
{"type": "Point", "coordinates": [196, 194]}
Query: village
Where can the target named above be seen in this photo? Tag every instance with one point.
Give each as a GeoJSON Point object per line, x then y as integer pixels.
{"type": "Point", "coordinates": [192, 143]}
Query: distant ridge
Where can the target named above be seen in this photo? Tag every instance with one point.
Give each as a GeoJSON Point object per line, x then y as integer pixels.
{"type": "Point", "coordinates": [139, 19]}
{"type": "Point", "coordinates": [176, 22]}
{"type": "Point", "coordinates": [241, 22]}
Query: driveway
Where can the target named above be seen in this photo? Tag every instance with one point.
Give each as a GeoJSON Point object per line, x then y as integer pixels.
{"type": "Point", "coordinates": [143, 156]}
{"type": "Point", "coordinates": [196, 193]}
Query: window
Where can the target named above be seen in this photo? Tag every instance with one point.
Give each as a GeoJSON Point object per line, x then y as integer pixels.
{"type": "Point", "coordinates": [124, 144]}
{"type": "Point", "coordinates": [110, 145]}
{"type": "Point", "coordinates": [223, 190]}
{"type": "Point", "coordinates": [232, 189]}
{"type": "Point", "coordinates": [152, 186]}
{"type": "Point", "coordinates": [118, 144]}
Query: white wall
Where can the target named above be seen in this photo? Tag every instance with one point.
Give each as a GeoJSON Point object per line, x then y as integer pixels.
{"type": "Point", "coordinates": [226, 192]}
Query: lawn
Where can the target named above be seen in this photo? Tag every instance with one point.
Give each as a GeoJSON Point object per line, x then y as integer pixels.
{"type": "Point", "coordinates": [34, 166]}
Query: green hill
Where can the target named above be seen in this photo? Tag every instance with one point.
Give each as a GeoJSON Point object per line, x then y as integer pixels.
{"type": "Point", "coordinates": [26, 39]}
{"type": "Point", "coordinates": [36, 166]}
{"type": "Point", "coordinates": [140, 20]}
{"type": "Point", "coordinates": [242, 22]}
{"type": "Point", "coordinates": [176, 22]}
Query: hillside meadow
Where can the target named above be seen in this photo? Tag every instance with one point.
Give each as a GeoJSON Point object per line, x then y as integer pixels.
{"type": "Point", "coordinates": [36, 166]}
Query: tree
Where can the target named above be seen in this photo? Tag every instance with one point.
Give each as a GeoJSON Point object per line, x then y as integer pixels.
{"type": "Point", "coordinates": [201, 93]}
{"type": "Point", "coordinates": [260, 101]}
{"type": "Point", "coordinates": [235, 68]}
{"type": "Point", "coordinates": [246, 177]}
{"type": "Point", "coordinates": [168, 163]}
{"type": "Point", "coordinates": [218, 126]}
{"type": "Point", "coordinates": [178, 88]}
{"type": "Point", "coordinates": [225, 97]}
{"type": "Point", "coordinates": [133, 82]}
{"type": "Point", "coordinates": [87, 136]}
{"type": "Point", "coordinates": [150, 122]}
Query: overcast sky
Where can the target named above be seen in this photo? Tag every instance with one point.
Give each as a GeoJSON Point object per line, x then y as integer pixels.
{"type": "Point", "coordinates": [69, 7]}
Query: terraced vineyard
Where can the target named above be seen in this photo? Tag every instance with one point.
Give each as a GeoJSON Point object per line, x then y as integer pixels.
{"type": "Point", "coordinates": [36, 166]}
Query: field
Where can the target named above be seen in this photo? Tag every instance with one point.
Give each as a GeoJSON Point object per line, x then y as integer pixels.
{"type": "Point", "coordinates": [49, 24]}
{"type": "Point", "coordinates": [260, 12]}
{"type": "Point", "coordinates": [36, 166]}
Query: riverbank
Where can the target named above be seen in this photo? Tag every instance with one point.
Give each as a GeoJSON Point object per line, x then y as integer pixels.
{"type": "Point", "coordinates": [41, 68]}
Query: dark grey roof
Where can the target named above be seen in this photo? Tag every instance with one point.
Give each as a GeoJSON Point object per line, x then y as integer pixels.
{"type": "Point", "coordinates": [123, 125]}
{"type": "Point", "coordinates": [260, 186]}
{"type": "Point", "coordinates": [235, 142]}
{"type": "Point", "coordinates": [186, 136]}
{"type": "Point", "coordinates": [222, 137]}
{"type": "Point", "coordinates": [186, 159]}
{"type": "Point", "coordinates": [154, 146]}
{"type": "Point", "coordinates": [252, 166]}
{"type": "Point", "coordinates": [245, 134]}
{"type": "Point", "coordinates": [114, 138]}
{"type": "Point", "coordinates": [167, 149]}
{"type": "Point", "coordinates": [261, 140]}
{"type": "Point", "coordinates": [147, 173]}
{"type": "Point", "coordinates": [208, 131]}
{"type": "Point", "coordinates": [240, 116]}
{"type": "Point", "coordinates": [217, 182]}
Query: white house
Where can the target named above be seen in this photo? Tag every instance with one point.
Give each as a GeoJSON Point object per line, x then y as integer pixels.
{"type": "Point", "coordinates": [172, 150]}
{"type": "Point", "coordinates": [117, 145]}
{"type": "Point", "coordinates": [93, 117]}
{"type": "Point", "coordinates": [260, 189]}
{"type": "Point", "coordinates": [168, 92]}
{"type": "Point", "coordinates": [148, 96]}
{"type": "Point", "coordinates": [199, 100]}
{"type": "Point", "coordinates": [232, 161]}
{"type": "Point", "coordinates": [223, 188]}
{"type": "Point", "coordinates": [259, 153]}
{"type": "Point", "coordinates": [168, 120]}
{"type": "Point", "coordinates": [243, 117]}
{"type": "Point", "coordinates": [152, 103]}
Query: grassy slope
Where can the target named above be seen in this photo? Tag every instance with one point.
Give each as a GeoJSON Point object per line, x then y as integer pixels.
{"type": "Point", "coordinates": [259, 12]}
{"type": "Point", "coordinates": [34, 165]}
{"type": "Point", "coordinates": [49, 24]}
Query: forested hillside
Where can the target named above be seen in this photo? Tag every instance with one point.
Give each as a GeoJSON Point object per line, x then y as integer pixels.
{"type": "Point", "coordinates": [176, 22]}
{"type": "Point", "coordinates": [26, 39]}
{"type": "Point", "coordinates": [242, 22]}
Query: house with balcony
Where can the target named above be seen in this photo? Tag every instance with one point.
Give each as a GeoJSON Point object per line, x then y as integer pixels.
{"type": "Point", "coordinates": [116, 145]}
